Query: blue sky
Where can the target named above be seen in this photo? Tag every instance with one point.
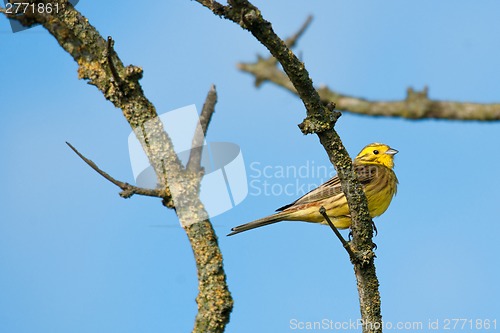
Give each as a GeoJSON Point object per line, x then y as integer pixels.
{"type": "Point", "coordinates": [75, 257]}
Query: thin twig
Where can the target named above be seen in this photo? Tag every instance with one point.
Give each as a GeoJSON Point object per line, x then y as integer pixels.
{"type": "Point", "coordinates": [207, 111]}
{"type": "Point", "coordinates": [109, 52]}
{"type": "Point", "coordinates": [292, 40]}
{"type": "Point", "coordinates": [128, 190]}
{"type": "Point", "coordinates": [345, 244]}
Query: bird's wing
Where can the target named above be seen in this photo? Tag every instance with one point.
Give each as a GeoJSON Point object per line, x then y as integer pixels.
{"type": "Point", "coordinates": [332, 187]}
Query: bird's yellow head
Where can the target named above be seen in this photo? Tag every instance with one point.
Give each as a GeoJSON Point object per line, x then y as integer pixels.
{"type": "Point", "coordinates": [377, 153]}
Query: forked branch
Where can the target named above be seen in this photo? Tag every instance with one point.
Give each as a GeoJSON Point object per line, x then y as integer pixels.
{"type": "Point", "coordinates": [320, 120]}
{"type": "Point", "coordinates": [416, 104]}
{"type": "Point", "coordinates": [100, 65]}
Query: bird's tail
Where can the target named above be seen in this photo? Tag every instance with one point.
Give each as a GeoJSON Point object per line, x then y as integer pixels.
{"type": "Point", "coordinates": [281, 216]}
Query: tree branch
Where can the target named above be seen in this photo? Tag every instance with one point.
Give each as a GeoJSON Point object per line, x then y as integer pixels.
{"type": "Point", "coordinates": [194, 162]}
{"type": "Point", "coordinates": [337, 233]}
{"type": "Point", "coordinates": [292, 40]}
{"type": "Point", "coordinates": [416, 105]}
{"type": "Point", "coordinates": [101, 66]}
{"type": "Point", "coordinates": [320, 120]}
{"type": "Point", "coordinates": [127, 189]}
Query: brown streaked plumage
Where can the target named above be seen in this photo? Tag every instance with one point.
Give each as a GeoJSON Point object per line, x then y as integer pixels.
{"type": "Point", "coordinates": [373, 166]}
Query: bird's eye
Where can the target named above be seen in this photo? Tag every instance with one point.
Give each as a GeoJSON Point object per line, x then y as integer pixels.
{"type": "Point", "coordinates": [375, 152]}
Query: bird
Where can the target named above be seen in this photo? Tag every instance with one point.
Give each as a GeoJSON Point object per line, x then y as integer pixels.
{"type": "Point", "coordinates": [374, 168]}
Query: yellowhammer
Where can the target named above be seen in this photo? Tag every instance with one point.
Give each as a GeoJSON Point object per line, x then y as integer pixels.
{"type": "Point", "coordinates": [373, 166]}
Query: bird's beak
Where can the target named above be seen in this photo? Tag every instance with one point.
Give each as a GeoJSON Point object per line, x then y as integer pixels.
{"type": "Point", "coordinates": [391, 151]}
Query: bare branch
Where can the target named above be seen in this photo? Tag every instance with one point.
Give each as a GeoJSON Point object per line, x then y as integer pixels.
{"type": "Point", "coordinates": [320, 120]}
{"type": "Point", "coordinates": [207, 111]}
{"type": "Point", "coordinates": [264, 70]}
{"type": "Point", "coordinates": [101, 66]}
{"type": "Point", "coordinates": [127, 189]}
{"type": "Point", "coordinates": [292, 40]}
{"type": "Point", "coordinates": [345, 244]}
{"type": "Point", "coordinates": [416, 105]}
